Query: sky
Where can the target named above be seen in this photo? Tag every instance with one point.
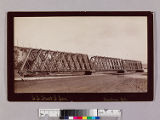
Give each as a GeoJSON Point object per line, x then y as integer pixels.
{"type": "Point", "coordinates": [118, 36]}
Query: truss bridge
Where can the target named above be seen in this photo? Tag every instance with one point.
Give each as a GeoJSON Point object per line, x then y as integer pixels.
{"type": "Point", "coordinates": [37, 62]}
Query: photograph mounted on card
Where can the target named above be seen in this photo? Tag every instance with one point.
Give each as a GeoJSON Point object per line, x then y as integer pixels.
{"type": "Point", "coordinates": [80, 56]}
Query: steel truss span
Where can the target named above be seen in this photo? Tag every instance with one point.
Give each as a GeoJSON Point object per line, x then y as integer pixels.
{"type": "Point", "coordinates": [32, 62]}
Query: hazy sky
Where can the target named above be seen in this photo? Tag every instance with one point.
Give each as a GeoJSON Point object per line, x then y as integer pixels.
{"type": "Point", "coordinates": [120, 37]}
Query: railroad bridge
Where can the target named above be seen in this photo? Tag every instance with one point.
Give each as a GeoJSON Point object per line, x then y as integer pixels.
{"type": "Point", "coordinates": [32, 62]}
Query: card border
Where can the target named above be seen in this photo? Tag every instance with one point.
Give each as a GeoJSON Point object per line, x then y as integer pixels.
{"type": "Point", "coordinates": [81, 97]}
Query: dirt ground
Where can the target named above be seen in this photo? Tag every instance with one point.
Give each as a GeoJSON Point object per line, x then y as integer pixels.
{"type": "Point", "coordinates": [95, 83]}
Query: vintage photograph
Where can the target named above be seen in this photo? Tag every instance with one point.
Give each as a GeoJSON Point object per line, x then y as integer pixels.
{"type": "Point", "coordinates": [80, 54]}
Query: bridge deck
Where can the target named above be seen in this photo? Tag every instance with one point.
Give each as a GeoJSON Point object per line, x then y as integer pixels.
{"type": "Point", "coordinates": [96, 83]}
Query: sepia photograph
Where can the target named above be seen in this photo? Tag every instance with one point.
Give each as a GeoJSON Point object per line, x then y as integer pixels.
{"type": "Point", "coordinates": [81, 53]}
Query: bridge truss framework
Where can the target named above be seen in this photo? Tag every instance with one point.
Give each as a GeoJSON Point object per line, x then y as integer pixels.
{"type": "Point", "coordinates": [29, 61]}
